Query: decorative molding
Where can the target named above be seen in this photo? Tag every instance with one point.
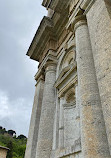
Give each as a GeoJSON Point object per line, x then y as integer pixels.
{"type": "Point", "coordinates": [79, 20]}
{"type": "Point", "coordinates": [51, 56]}
{"type": "Point", "coordinates": [46, 3]}
{"type": "Point", "coordinates": [86, 5]}
{"type": "Point", "coordinates": [50, 29]}
{"type": "Point", "coordinates": [57, 5]}
{"type": "Point", "coordinates": [82, 7]}
{"type": "Point", "coordinates": [44, 32]}
{"type": "Point", "coordinates": [50, 59]}
{"type": "Point", "coordinates": [39, 75]}
{"type": "Point", "coordinates": [69, 151]}
{"type": "Point", "coordinates": [70, 105]}
{"type": "Point", "coordinates": [65, 73]}
{"type": "Point", "coordinates": [67, 86]}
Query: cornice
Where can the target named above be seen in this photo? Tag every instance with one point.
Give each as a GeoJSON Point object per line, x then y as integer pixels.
{"type": "Point", "coordinates": [52, 28]}
{"type": "Point", "coordinates": [59, 5]}
{"type": "Point", "coordinates": [44, 32]}
{"type": "Point", "coordinates": [82, 7]}
{"type": "Point", "coordinates": [49, 30]}
{"type": "Point", "coordinates": [46, 3]}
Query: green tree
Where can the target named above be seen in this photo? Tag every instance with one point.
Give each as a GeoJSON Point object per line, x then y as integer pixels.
{"type": "Point", "coordinates": [21, 136]}
{"type": "Point", "coordinates": [10, 152]}
{"type": "Point", "coordinates": [11, 132]}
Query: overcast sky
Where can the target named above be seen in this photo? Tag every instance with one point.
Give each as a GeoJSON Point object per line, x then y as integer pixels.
{"type": "Point", "coordinates": [19, 20]}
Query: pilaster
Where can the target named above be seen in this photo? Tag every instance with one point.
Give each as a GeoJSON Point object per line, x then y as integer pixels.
{"type": "Point", "coordinates": [35, 118]}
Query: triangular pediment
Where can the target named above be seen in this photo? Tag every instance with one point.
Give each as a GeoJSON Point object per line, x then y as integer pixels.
{"type": "Point", "coordinates": [65, 73]}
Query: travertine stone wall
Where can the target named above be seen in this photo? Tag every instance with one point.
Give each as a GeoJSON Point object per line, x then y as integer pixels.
{"type": "Point", "coordinates": [50, 13]}
{"type": "Point", "coordinates": [93, 134]}
{"type": "Point", "coordinates": [71, 125]}
{"type": "Point", "coordinates": [73, 47]}
{"type": "Point", "coordinates": [99, 23]}
{"type": "Point", "coordinates": [45, 137]}
{"type": "Point", "coordinates": [35, 119]}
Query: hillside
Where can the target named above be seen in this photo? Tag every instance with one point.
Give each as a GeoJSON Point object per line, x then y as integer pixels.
{"type": "Point", "coordinates": [17, 145]}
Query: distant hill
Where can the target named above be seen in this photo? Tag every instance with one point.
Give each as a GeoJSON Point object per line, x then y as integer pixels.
{"type": "Point", "coordinates": [17, 145]}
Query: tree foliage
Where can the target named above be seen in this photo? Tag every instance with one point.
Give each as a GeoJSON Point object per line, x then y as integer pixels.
{"type": "Point", "coordinates": [11, 132]}
{"type": "Point", "coordinates": [17, 145]}
{"type": "Point", "coordinates": [21, 136]}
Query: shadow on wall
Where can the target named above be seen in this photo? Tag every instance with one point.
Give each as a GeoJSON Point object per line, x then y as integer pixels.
{"type": "Point", "coordinates": [108, 6]}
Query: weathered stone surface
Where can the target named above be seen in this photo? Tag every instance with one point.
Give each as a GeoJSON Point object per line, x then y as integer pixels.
{"type": "Point", "coordinates": [93, 134]}
{"type": "Point", "coordinates": [35, 119]}
{"type": "Point", "coordinates": [75, 120]}
{"type": "Point", "coordinates": [99, 23]}
{"type": "Point", "coordinates": [44, 145]}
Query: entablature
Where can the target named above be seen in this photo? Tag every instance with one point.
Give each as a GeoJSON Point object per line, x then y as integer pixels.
{"type": "Point", "coordinates": [81, 7]}
{"type": "Point", "coordinates": [43, 34]}
{"type": "Point", "coordinates": [61, 5]}
{"type": "Point", "coordinates": [52, 28]}
{"type": "Point", "coordinates": [49, 30]}
{"type": "Point", "coordinates": [49, 59]}
{"type": "Point", "coordinates": [56, 5]}
{"type": "Point", "coordinates": [46, 3]}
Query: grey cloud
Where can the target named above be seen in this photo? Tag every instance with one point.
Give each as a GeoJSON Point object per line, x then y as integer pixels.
{"type": "Point", "coordinates": [18, 23]}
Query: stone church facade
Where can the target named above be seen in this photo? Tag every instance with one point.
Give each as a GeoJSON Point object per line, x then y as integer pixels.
{"type": "Point", "coordinates": [71, 115]}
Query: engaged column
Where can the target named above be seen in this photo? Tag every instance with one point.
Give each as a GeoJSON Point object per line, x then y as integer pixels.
{"type": "Point", "coordinates": [93, 134]}
{"type": "Point", "coordinates": [45, 137]}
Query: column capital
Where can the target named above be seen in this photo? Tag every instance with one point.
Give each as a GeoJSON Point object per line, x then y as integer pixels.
{"type": "Point", "coordinates": [49, 62]}
{"type": "Point", "coordinates": [78, 21]}
{"type": "Point", "coordinates": [39, 76]}
{"type": "Point", "coordinates": [50, 66]}
{"type": "Point", "coordinates": [49, 58]}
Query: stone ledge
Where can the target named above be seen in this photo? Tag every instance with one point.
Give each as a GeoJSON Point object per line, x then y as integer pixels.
{"type": "Point", "coordinates": [65, 74]}
{"type": "Point", "coordinates": [41, 37]}
{"type": "Point", "coordinates": [56, 5]}
{"type": "Point", "coordinates": [67, 151]}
